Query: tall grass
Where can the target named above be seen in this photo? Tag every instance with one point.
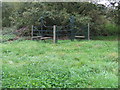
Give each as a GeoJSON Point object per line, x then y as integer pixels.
{"type": "Point", "coordinates": [83, 64]}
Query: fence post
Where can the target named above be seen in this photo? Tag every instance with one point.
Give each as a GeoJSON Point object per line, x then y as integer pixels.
{"type": "Point", "coordinates": [88, 31]}
{"type": "Point", "coordinates": [41, 23]}
{"type": "Point", "coordinates": [32, 33]}
{"type": "Point", "coordinates": [54, 34]}
{"type": "Point", "coordinates": [72, 27]}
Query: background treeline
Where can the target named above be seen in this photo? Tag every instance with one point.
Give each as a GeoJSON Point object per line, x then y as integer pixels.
{"type": "Point", "coordinates": [103, 20]}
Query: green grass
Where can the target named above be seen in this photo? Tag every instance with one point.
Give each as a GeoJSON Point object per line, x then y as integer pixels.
{"type": "Point", "coordinates": [106, 38]}
{"type": "Point", "coordinates": [7, 33]}
{"type": "Point", "coordinates": [81, 64]}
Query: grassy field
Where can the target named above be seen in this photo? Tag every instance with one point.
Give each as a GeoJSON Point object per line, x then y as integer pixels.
{"type": "Point", "coordinates": [82, 64]}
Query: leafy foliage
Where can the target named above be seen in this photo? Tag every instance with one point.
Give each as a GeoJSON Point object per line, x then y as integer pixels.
{"type": "Point", "coordinates": [25, 14]}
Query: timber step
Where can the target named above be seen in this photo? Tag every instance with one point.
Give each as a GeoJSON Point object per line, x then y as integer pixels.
{"type": "Point", "coordinates": [44, 38]}
{"type": "Point", "coordinates": [36, 36]}
{"type": "Point", "coordinates": [41, 38]}
{"type": "Point", "coordinates": [79, 36]}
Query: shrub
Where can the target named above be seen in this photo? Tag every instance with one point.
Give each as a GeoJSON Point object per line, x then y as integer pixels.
{"type": "Point", "coordinates": [111, 29]}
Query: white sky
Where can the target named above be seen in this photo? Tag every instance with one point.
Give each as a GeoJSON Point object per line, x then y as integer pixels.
{"type": "Point", "coordinates": [105, 2]}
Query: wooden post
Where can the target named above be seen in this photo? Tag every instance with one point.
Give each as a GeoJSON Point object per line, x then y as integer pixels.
{"type": "Point", "coordinates": [88, 31]}
{"type": "Point", "coordinates": [32, 33]}
{"type": "Point", "coordinates": [54, 34]}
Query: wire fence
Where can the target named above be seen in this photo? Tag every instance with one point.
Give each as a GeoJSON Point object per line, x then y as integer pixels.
{"type": "Point", "coordinates": [62, 32]}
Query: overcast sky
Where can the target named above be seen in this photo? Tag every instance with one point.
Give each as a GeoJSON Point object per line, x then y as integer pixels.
{"type": "Point", "coordinates": [105, 2]}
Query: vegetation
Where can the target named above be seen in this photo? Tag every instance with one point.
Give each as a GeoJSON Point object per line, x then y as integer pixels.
{"type": "Point", "coordinates": [68, 64]}
{"type": "Point", "coordinates": [25, 14]}
{"type": "Point", "coordinates": [84, 64]}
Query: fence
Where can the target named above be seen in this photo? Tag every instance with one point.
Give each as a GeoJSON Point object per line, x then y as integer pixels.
{"type": "Point", "coordinates": [60, 32]}
{"type": "Point", "coordinates": [43, 32]}
{"type": "Point", "coordinates": [55, 32]}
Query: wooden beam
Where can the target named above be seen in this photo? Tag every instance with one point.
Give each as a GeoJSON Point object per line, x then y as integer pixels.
{"type": "Point", "coordinates": [88, 31]}
{"type": "Point", "coordinates": [32, 32]}
{"type": "Point", "coordinates": [54, 34]}
{"type": "Point", "coordinates": [79, 36]}
{"type": "Point", "coordinates": [44, 38]}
